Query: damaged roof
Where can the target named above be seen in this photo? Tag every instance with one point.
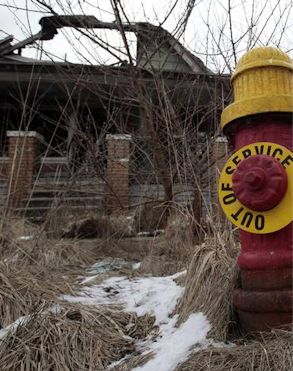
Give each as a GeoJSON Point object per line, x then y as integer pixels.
{"type": "Point", "coordinates": [156, 47]}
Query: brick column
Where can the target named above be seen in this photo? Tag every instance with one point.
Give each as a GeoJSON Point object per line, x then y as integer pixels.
{"type": "Point", "coordinates": [23, 153]}
{"type": "Point", "coordinates": [118, 146]}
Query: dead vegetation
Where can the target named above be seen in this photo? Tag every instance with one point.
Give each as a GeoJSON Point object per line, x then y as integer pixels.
{"type": "Point", "coordinates": [211, 277]}
{"type": "Point", "coordinates": [89, 225]}
{"type": "Point", "coordinates": [165, 257]}
{"type": "Point", "coordinates": [56, 335]}
{"type": "Point", "coordinates": [73, 338]}
{"type": "Point", "coordinates": [34, 271]}
{"type": "Point", "coordinates": [23, 290]}
{"type": "Point", "coordinates": [271, 351]}
{"type": "Point", "coordinates": [41, 332]}
{"type": "Point", "coordinates": [34, 248]}
{"type": "Point", "coordinates": [171, 251]}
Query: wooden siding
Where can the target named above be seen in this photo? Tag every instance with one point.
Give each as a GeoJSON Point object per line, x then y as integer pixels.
{"type": "Point", "coordinates": [163, 59]}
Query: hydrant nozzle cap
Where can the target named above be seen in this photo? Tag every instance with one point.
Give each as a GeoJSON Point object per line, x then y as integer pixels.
{"type": "Point", "coordinates": [262, 82]}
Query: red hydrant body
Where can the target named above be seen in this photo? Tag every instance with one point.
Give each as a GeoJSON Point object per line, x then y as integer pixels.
{"type": "Point", "coordinates": [260, 183]}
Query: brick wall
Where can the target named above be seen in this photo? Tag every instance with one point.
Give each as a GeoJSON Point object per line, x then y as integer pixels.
{"type": "Point", "coordinates": [117, 175]}
{"type": "Point", "coordinates": [23, 152]}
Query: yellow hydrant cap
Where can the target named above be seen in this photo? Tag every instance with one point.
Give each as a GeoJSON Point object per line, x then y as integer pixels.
{"type": "Point", "coordinates": [262, 82]}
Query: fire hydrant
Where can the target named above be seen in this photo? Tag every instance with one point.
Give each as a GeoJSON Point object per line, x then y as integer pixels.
{"type": "Point", "coordinates": [256, 186]}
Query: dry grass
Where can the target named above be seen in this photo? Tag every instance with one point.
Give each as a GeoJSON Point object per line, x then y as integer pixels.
{"type": "Point", "coordinates": [33, 272]}
{"type": "Point", "coordinates": [63, 223]}
{"type": "Point", "coordinates": [14, 227]}
{"type": "Point", "coordinates": [166, 256]}
{"type": "Point", "coordinates": [132, 361]}
{"type": "Point", "coordinates": [45, 253]}
{"type": "Point", "coordinates": [23, 290]}
{"type": "Point", "coordinates": [171, 251]}
{"type": "Point", "coordinates": [150, 216]}
{"type": "Point", "coordinates": [76, 338]}
{"type": "Point", "coordinates": [60, 253]}
{"type": "Point", "coordinates": [18, 294]}
{"type": "Point", "coordinates": [181, 226]}
{"type": "Point", "coordinates": [210, 279]}
{"type": "Point", "coordinates": [271, 352]}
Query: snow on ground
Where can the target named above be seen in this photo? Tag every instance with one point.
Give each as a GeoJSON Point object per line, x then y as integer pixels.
{"type": "Point", "coordinates": [24, 238]}
{"type": "Point", "coordinates": [54, 309]}
{"type": "Point", "coordinates": [175, 343]}
{"type": "Point", "coordinates": [20, 321]}
{"type": "Point", "coordinates": [155, 296]}
{"type": "Point", "coordinates": [107, 265]}
{"type": "Point", "coordinates": [136, 266]}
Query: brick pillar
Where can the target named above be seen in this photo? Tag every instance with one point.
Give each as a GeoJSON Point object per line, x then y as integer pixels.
{"type": "Point", "coordinates": [23, 153]}
{"type": "Point", "coordinates": [118, 146]}
{"type": "Point", "coordinates": [219, 157]}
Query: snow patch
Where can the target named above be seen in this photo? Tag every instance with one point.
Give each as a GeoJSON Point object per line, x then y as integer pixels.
{"type": "Point", "coordinates": [107, 265]}
{"type": "Point", "coordinates": [136, 266]}
{"type": "Point", "coordinates": [25, 238]}
{"type": "Point", "coordinates": [13, 326]}
{"type": "Point", "coordinates": [175, 344]}
{"type": "Point", "coordinates": [54, 309]}
{"type": "Point", "coordinates": [153, 295]}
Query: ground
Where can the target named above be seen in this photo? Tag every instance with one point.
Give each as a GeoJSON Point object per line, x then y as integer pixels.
{"type": "Point", "coordinates": [119, 303]}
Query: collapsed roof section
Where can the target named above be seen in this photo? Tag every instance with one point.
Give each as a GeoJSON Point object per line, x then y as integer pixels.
{"type": "Point", "coordinates": [157, 49]}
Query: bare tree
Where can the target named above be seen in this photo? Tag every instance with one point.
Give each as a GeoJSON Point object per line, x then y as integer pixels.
{"type": "Point", "coordinates": [177, 110]}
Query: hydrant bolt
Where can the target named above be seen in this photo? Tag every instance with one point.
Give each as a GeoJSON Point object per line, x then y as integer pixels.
{"type": "Point", "coordinates": [260, 182]}
{"type": "Point", "coordinates": [255, 178]}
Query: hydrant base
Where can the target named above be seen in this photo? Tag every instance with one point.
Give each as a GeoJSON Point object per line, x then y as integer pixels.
{"type": "Point", "coordinates": [263, 310]}
{"type": "Point", "coordinates": [256, 322]}
{"type": "Point", "coordinates": [266, 279]}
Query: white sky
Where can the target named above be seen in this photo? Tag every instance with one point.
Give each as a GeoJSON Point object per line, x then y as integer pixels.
{"type": "Point", "coordinates": [207, 34]}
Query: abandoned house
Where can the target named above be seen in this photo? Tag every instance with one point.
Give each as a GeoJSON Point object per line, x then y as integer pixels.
{"type": "Point", "coordinates": [107, 136]}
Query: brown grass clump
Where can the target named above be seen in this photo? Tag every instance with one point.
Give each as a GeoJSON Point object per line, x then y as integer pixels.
{"type": "Point", "coordinates": [76, 338]}
{"type": "Point", "coordinates": [272, 352]}
{"type": "Point", "coordinates": [23, 290]}
{"type": "Point", "coordinates": [181, 226]}
{"type": "Point", "coordinates": [135, 360]}
{"type": "Point", "coordinates": [62, 223]}
{"type": "Point", "coordinates": [13, 227]}
{"type": "Point", "coordinates": [61, 253]}
{"type": "Point", "coordinates": [166, 256]}
{"type": "Point", "coordinates": [45, 253]}
{"type": "Point", "coordinates": [33, 272]}
{"type": "Point", "coordinates": [17, 294]}
{"type": "Point", "coordinates": [150, 216]}
{"type": "Point", "coordinates": [92, 227]}
{"type": "Point", "coordinates": [170, 252]}
{"type": "Point", "coordinates": [210, 279]}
